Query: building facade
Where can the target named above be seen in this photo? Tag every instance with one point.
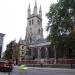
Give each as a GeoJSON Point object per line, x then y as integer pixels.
{"type": "Point", "coordinates": [1, 42]}
{"type": "Point", "coordinates": [34, 47]}
{"type": "Point", "coordinates": [34, 30]}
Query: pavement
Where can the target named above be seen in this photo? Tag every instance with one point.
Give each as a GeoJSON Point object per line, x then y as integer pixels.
{"type": "Point", "coordinates": [51, 68]}
{"type": "Point", "coordinates": [41, 71]}
{"type": "Point", "coordinates": [39, 68]}
{"type": "Point", "coordinates": [1, 73]}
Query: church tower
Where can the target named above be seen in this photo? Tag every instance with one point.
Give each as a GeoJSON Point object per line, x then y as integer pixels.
{"type": "Point", "coordinates": [34, 30]}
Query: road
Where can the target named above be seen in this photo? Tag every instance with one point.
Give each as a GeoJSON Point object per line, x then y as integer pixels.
{"type": "Point", "coordinates": [42, 71]}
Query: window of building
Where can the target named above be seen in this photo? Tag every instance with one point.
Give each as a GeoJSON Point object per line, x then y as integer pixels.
{"type": "Point", "coordinates": [30, 39]}
{"type": "Point", "coordinates": [39, 31]}
{"type": "Point", "coordinates": [28, 51]}
{"type": "Point", "coordinates": [22, 53]}
{"type": "Point", "coordinates": [22, 58]}
{"type": "Point", "coordinates": [38, 21]}
{"type": "Point", "coordinates": [22, 47]}
{"type": "Point", "coordinates": [30, 28]}
{"type": "Point", "coordinates": [30, 22]}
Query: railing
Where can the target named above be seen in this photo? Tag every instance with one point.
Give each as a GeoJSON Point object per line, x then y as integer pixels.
{"type": "Point", "coordinates": [50, 61]}
{"type": "Point", "coordinates": [65, 61]}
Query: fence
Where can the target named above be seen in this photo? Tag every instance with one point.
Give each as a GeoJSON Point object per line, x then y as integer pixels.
{"type": "Point", "coordinates": [49, 61]}
{"type": "Point", "coordinates": [65, 61]}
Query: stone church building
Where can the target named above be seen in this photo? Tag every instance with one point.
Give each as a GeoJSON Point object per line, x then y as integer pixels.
{"type": "Point", "coordinates": [34, 46]}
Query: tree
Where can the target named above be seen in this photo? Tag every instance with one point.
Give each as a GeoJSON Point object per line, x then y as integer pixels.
{"type": "Point", "coordinates": [61, 22]}
{"type": "Point", "coordinates": [71, 43]}
{"type": "Point", "coordinates": [8, 52]}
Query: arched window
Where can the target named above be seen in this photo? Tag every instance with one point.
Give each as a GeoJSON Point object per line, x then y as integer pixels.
{"type": "Point", "coordinates": [30, 39]}
{"type": "Point", "coordinates": [22, 53]}
{"type": "Point", "coordinates": [22, 47]}
{"type": "Point", "coordinates": [30, 28]}
{"type": "Point", "coordinates": [38, 21]}
{"type": "Point", "coordinates": [32, 21]}
{"type": "Point", "coordinates": [39, 31]}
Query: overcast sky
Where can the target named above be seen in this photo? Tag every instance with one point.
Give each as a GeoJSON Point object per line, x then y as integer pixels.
{"type": "Point", "coordinates": [13, 17]}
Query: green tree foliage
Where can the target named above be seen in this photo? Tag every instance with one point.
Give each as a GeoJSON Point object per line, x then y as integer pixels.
{"type": "Point", "coordinates": [61, 21]}
{"type": "Point", "coordinates": [8, 52]}
{"type": "Point", "coordinates": [71, 40]}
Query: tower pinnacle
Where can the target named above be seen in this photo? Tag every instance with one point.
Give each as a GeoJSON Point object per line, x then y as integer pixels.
{"type": "Point", "coordinates": [35, 4]}
{"type": "Point", "coordinates": [40, 11]}
{"type": "Point", "coordinates": [29, 7]}
{"type": "Point", "coordinates": [29, 11]}
{"type": "Point", "coordinates": [35, 8]}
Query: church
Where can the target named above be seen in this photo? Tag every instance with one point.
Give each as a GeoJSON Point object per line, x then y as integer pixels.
{"type": "Point", "coordinates": [34, 47]}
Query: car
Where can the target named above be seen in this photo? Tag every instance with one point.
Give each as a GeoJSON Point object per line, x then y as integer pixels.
{"type": "Point", "coordinates": [5, 66]}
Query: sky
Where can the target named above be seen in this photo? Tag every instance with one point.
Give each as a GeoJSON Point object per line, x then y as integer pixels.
{"type": "Point", "coordinates": [13, 18]}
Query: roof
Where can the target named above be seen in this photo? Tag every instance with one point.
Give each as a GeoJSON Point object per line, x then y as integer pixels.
{"type": "Point", "coordinates": [42, 40]}
{"type": "Point", "coordinates": [31, 16]}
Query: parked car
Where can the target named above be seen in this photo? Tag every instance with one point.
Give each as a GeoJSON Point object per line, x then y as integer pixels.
{"type": "Point", "coordinates": [5, 66]}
